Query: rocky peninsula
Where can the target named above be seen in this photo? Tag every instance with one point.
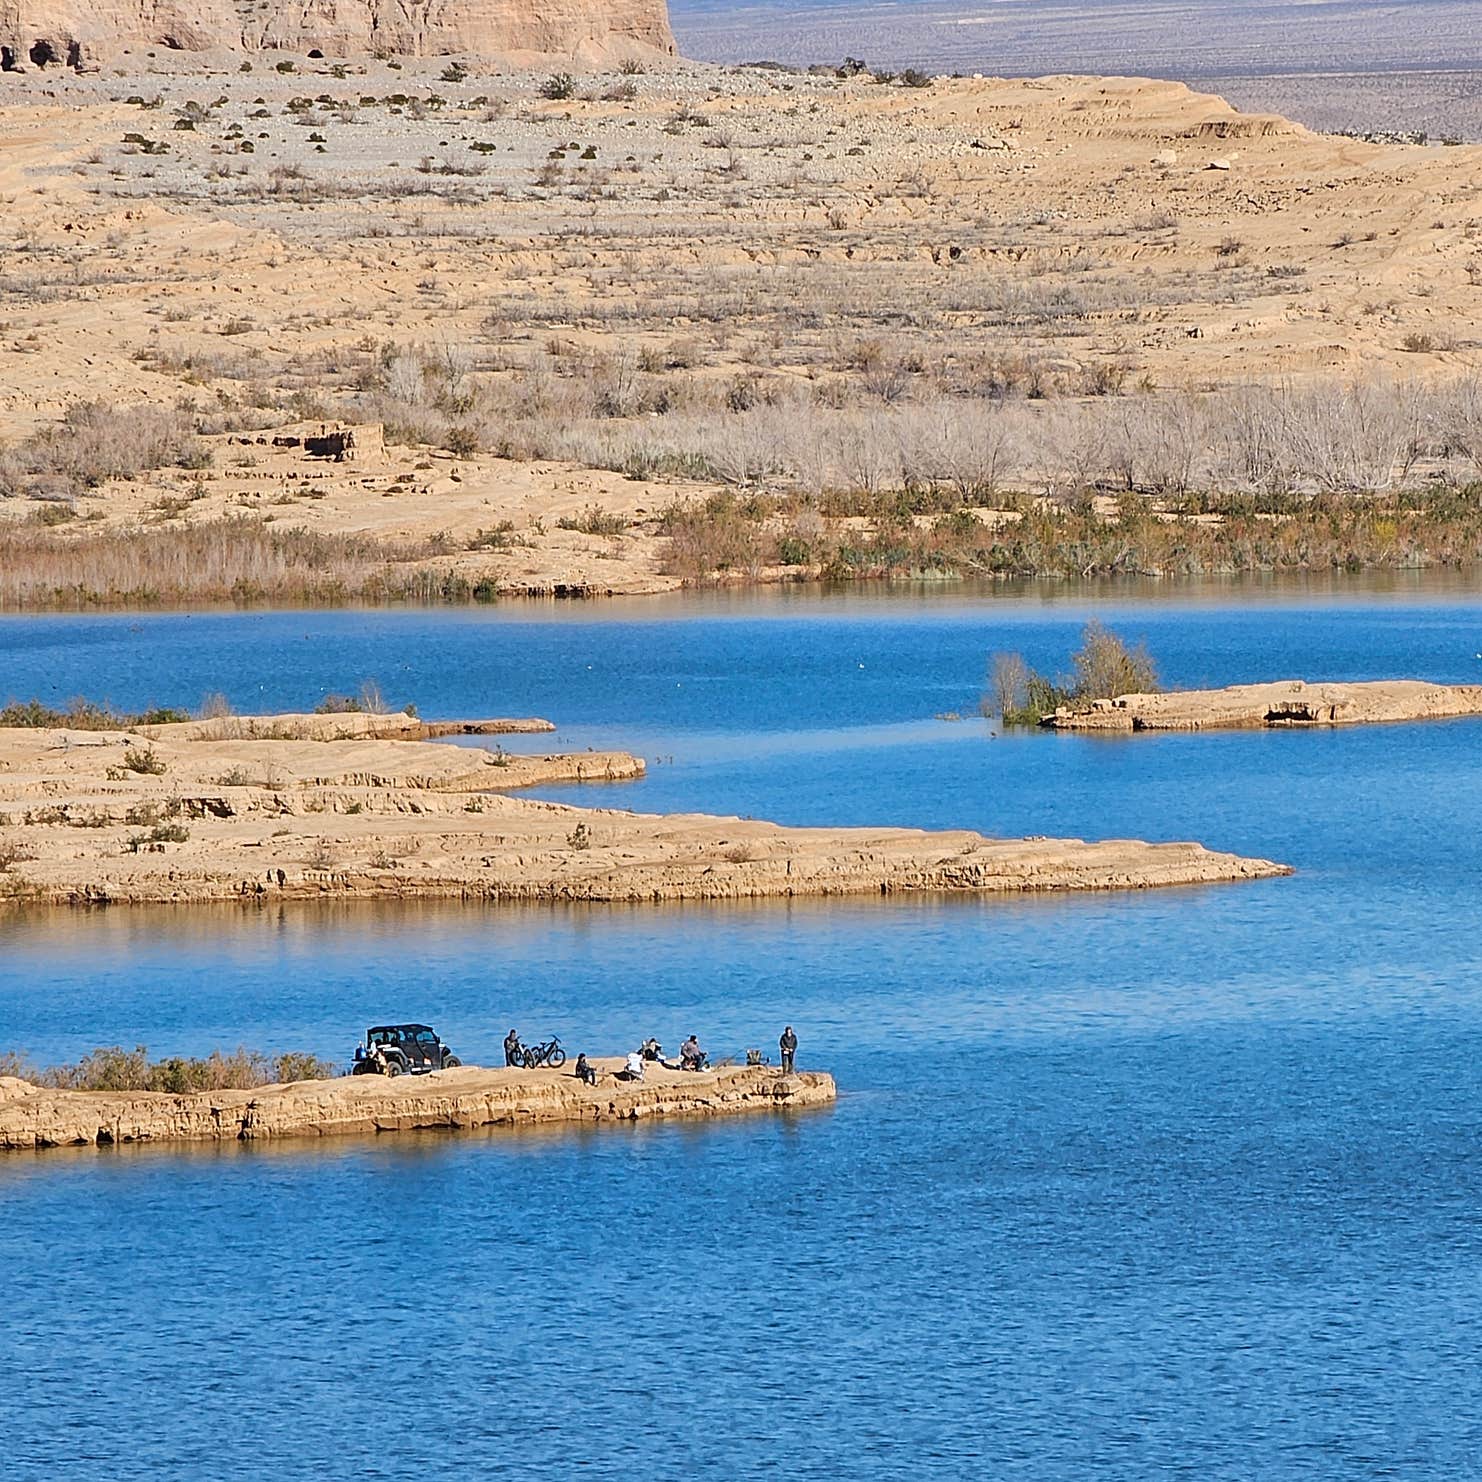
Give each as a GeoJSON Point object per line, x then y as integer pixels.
{"type": "Point", "coordinates": [35, 1117]}
{"type": "Point", "coordinates": [1286, 702]}
{"type": "Point", "coordinates": [307, 807]}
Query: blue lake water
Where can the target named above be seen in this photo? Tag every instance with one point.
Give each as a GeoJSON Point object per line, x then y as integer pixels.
{"type": "Point", "coordinates": [1174, 1184]}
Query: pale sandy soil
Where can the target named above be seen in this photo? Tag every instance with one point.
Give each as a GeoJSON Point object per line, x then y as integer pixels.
{"type": "Point", "coordinates": [719, 224]}
{"type": "Point", "coordinates": [33, 1117]}
{"type": "Point", "coordinates": [1287, 702]}
{"type": "Point", "coordinates": [233, 819]}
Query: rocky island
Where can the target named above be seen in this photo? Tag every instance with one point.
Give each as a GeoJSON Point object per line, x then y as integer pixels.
{"type": "Point", "coordinates": [311, 807]}
{"type": "Point", "coordinates": [35, 1117]}
{"type": "Point", "coordinates": [1286, 702]}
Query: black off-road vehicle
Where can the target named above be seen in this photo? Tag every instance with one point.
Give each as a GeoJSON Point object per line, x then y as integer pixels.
{"type": "Point", "coordinates": [394, 1049]}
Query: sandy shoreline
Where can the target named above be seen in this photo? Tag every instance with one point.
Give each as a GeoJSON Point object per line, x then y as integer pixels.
{"type": "Point", "coordinates": [35, 1117]}
{"type": "Point", "coordinates": [184, 815]}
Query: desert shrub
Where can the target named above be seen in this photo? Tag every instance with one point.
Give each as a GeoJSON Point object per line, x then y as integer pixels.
{"type": "Point", "coordinates": [1105, 666]}
{"type": "Point", "coordinates": [215, 706]}
{"type": "Point", "coordinates": [144, 759]}
{"type": "Point", "coordinates": [558, 87]}
{"type": "Point", "coordinates": [112, 1068]}
{"type": "Point", "coordinates": [83, 715]}
{"type": "Point", "coordinates": [96, 441]}
{"type": "Point", "coordinates": [1102, 667]}
{"type": "Point", "coordinates": [594, 520]}
{"type": "Point", "coordinates": [297, 1066]}
{"type": "Point", "coordinates": [1008, 679]}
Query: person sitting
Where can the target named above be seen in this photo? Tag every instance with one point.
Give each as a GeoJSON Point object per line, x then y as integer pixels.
{"type": "Point", "coordinates": [632, 1067]}
{"type": "Point", "coordinates": [586, 1072]}
{"type": "Point", "coordinates": [691, 1056]}
{"type": "Point", "coordinates": [651, 1049]}
{"type": "Point", "coordinates": [512, 1051]}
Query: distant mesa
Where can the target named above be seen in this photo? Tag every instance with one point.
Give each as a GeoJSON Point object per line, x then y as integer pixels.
{"type": "Point", "coordinates": [85, 33]}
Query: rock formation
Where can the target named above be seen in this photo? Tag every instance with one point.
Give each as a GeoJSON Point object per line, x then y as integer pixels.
{"type": "Point", "coordinates": [289, 808]}
{"type": "Point", "coordinates": [34, 1117]}
{"type": "Point", "coordinates": [84, 33]}
{"type": "Point", "coordinates": [1286, 702]}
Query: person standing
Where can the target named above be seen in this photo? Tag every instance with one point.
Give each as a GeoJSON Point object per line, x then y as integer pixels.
{"type": "Point", "coordinates": [788, 1044]}
{"type": "Point", "coordinates": [512, 1049]}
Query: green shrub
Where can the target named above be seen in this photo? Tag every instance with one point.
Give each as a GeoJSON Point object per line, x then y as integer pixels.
{"type": "Point", "coordinates": [1101, 668]}
{"type": "Point", "coordinates": [146, 761]}
{"type": "Point", "coordinates": [112, 1068]}
{"type": "Point", "coordinates": [593, 520]}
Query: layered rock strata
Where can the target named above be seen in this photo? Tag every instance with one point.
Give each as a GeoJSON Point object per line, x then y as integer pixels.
{"type": "Point", "coordinates": [184, 814]}
{"type": "Point", "coordinates": [1287, 702]}
{"type": "Point", "coordinates": [85, 33]}
{"type": "Point", "coordinates": [35, 1117]}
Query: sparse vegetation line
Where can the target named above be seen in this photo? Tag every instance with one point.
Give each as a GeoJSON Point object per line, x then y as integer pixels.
{"type": "Point", "coordinates": [112, 1068]}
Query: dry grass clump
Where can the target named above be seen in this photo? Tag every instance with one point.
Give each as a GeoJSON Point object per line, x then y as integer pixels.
{"type": "Point", "coordinates": [236, 561]}
{"type": "Point", "coordinates": [95, 442]}
{"type": "Point", "coordinates": [112, 1068]}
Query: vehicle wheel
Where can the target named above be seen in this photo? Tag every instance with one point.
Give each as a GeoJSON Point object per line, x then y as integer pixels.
{"type": "Point", "coordinates": [451, 1062]}
{"type": "Point", "coordinates": [557, 1058]}
{"type": "Point", "coordinates": [392, 1068]}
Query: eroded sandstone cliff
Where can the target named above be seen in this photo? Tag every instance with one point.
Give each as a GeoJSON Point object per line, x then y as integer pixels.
{"type": "Point", "coordinates": [83, 33]}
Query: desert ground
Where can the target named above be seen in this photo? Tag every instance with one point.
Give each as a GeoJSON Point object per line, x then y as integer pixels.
{"type": "Point", "coordinates": [562, 311]}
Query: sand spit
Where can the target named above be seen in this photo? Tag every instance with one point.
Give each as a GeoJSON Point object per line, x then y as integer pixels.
{"type": "Point", "coordinates": [1286, 702]}
{"type": "Point", "coordinates": [33, 1117]}
{"type": "Point", "coordinates": [104, 817]}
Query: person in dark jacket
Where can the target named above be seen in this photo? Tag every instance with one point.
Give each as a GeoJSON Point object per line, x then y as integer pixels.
{"type": "Point", "coordinates": [788, 1044]}
{"type": "Point", "coordinates": [585, 1070]}
{"type": "Point", "coordinates": [512, 1049]}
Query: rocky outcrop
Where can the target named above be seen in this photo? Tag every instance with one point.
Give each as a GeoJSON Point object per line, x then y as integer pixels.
{"type": "Point", "coordinates": [186, 815]}
{"type": "Point", "coordinates": [84, 33]}
{"type": "Point", "coordinates": [34, 1117]}
{"type": "Point", "coordinates": [1287, 702]}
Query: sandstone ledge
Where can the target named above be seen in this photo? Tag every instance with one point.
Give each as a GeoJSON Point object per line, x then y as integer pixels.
{"type": "Point", "coordinates": [213, 819]}
{"type": "Point", "coordinates": [33, 1117]}
{"type": "Point", "coordinates": [1284, 703]}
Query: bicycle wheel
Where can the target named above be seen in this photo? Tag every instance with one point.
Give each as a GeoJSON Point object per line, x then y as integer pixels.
{"type": "Point", "coordinates": [557, 1058]}
{"type": "Point", "coordinates": [531, 1059]}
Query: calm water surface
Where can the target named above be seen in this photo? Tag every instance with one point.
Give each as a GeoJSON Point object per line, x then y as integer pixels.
{"type": "Point", "coordinates": [1183, 1184]}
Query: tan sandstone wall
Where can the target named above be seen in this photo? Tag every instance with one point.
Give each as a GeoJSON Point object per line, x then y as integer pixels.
{"type": "Point", "coordinates": [87, 32]}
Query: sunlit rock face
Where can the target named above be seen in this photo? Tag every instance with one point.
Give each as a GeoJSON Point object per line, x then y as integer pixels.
{"type": "Point", "coordinates": [85, 33]}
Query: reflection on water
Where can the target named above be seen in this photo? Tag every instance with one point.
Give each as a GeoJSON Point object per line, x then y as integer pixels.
{"type": "Point", "coordinates": [1122, 1185]}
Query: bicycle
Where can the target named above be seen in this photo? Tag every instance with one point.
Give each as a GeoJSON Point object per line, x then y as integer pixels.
{"type": "Point", "coordinates": [550, 1054]}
